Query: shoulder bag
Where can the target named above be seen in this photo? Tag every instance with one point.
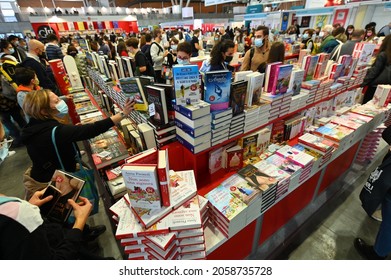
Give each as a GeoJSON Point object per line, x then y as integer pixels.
{"type": "Point", "coordinates": [90, 190]}
{"type": "Point", "coordinates": [376, 187]}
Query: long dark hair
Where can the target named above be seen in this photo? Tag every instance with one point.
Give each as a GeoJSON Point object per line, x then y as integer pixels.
{"type": "Point", "coordinates": [386, 47]}
{"type": "Point", "coordinates": [277, 52]}
{"type": "Point", "coordinates": [121, 47]}
{"type": "Point", "coordinates": [216, 55]}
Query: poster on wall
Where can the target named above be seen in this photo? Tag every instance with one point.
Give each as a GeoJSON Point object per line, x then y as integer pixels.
{"type": "Point", "coordinates": [340, 16]}
{"type": "Point", "coordinates": [321, 21]}
{"type": "Point", "coordinates": [305, 22]}
{"type": "Point", "coordinates": [284, 22]}
{"type": "Point", "coordinates": [294, 19]}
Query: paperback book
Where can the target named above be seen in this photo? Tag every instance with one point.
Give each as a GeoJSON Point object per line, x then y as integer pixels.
{"type": "Point", "coordinates": [133, 89]}
{"type": "Point", "coordinates": [217, 89]}
{"type": "Point", "coordinates": [186, 84]}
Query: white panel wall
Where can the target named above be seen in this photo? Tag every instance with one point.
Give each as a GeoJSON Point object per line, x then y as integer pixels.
{"type": "Point", "coordinates": [381, 17]}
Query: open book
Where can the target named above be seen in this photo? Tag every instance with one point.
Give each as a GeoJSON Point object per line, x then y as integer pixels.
{"type": "Point", "coordinates": [63, 186]}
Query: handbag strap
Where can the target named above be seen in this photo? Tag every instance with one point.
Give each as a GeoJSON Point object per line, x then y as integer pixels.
{"type": "Point", "coordinates": [77, 156]}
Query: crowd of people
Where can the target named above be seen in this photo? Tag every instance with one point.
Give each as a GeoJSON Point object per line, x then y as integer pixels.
{"type": "Point", "coordinates": [38, 105]}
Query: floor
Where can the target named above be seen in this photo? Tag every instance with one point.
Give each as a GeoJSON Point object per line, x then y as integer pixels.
{"type": "Point", "coordinates": [327, 236]}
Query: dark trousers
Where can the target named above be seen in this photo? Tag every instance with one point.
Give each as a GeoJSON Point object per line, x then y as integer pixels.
{"type": "Point", "coordinates": [158, 77]}
{"type": "Point", "coordinates": [10, 125]}
{"type": "Point", "coordinates": [369, 94]}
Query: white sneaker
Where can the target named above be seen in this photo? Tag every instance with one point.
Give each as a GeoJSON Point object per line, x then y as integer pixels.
{"type": "Point", "coordinates": [11, 153]}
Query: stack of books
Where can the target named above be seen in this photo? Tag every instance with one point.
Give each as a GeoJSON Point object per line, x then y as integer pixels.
{"type": "Point", "coordinates": [382, 95]}
{"type": "Point", "coordinates": [363, 52]}
{"type": "Point", "coordinates": [164, 134]}
{"type": "Point", "coordinates": [204, 210]}
{"type": "Point", "coordinates": [324, 89]}
{"type": "Point", "coordinates": [297, 158]}
{"type": "Point", "coordinates": [91, 117]}
{"type": "Point", "coordinates": [236, 126]}
{"type": "Point", "coordinates": [193, 123]}
{"type": "Point", "coordinates": [220, 124]}
{"type": "Point", "coordinates": [228, 213]}
{"type": "Point", "coordinates": [286, 103]}
{"type": "Point", "coordinates": [353, 121]}
{"type": "Point", "coordinates": [341, 135]}
{"type": "Point", "coordinates": [359, 74]}
{"type": "Point", "coordinates": [176, 233]}
{"type": "Point", "coordinates": [115, 182]}
{"type": "Point", "coordinates": [276, 102]}
{"type": "Point", "coordinates": [310, 87]}
{"type": "Point", "coordinates": [297, 102]}
{"type": "Point", "coordinates": [273, 171]}
{"type": "Point", "coordinates": [251, 118]}
{"type": "Point", "coordinates": [321, 145]}
{"type": "Point", "coordinates": [369, 146]}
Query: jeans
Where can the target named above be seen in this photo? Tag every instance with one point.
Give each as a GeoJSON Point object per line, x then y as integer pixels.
{"type": "Point", "coordinates": [383, 239]}
{"type": "Point", "coordinates": [10, 125]}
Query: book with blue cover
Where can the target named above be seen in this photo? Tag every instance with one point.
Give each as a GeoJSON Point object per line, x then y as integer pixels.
{"type": "Point", "coordinates": [217, 89]}
{"type": "Point", "coordinates": [133, 89]}
{"type": "Point", "coordinates": [186, 84]}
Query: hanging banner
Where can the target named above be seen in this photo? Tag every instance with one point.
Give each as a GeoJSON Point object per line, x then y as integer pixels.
{"type": "Point", "coordinates": [80, 25]}
{"type": "Point", "coordinates": [284, 22]}
{"type": "Point", "coordinates": [340, 16]}
{"type": "Point", "coordinates": [255, 16]}
{"type": "Point", "coordinates": [254, 9]}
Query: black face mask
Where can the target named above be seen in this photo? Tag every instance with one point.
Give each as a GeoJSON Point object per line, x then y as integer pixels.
{"type": "Point", "coordinates": [42, 55]}
{"type": "Point", "coordinates": [228, 58]}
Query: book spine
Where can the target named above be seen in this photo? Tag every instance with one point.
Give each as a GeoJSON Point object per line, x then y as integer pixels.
{"type": "Point", "coordinates": [275, 80]}
{"type": "Point", "coordinates": [184, 111]}
{"type": "Point", "coordinates": [163, 184]}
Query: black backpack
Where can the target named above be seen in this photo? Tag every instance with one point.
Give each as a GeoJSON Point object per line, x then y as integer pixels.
{"type": "Point", "coordinates": [148, 52]}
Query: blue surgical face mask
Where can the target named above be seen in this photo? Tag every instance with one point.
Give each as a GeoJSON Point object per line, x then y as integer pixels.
{"type": "Point", "coordinates": [62, 108]}
{"type": "Point", "coordinates": [183, 61]}
{"type": "Point", "coordinates": [258, 42]}
{"type": "Point", "coordinates": [305, 36]}
{"type": "Point", "coordinates": [11, 50]}
{"type": "Point", "coordinates": [174, 47]}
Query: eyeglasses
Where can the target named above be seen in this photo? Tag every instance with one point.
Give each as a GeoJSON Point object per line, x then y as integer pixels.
{"type": "Point", "coordinates": [183, 58]}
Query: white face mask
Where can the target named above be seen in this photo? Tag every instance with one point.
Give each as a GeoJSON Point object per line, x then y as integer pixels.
{"type": "Point", "coordinates": [4, 148]}
{"type": "Point", "coordinates": [321, 33]}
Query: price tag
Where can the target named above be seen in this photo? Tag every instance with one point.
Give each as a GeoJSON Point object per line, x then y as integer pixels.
{"type": "Point", "coordinates": [116, 171]}
{"type": "Point", "coordinates": [151, 108]}
{"type": "Point", "coordinates": [104, 154]}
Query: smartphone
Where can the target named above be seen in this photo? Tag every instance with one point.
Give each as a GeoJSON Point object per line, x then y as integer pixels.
{"type": "Point", "coordinates": [56, 193]}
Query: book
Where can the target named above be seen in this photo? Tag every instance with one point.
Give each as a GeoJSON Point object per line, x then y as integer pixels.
{"type": "Point", "coordinates": [382, 95]}
{"type": "Point", "coordinates": [234, 158]}
{"type": "Point", "coordinates": [127, 66]}
{"type": "Point", "coordinates": [147, 136]}
{"type": "Point", "coordinates": [215, 160]}
{"type": "Point", "coordinates": [163, 170]}
{"type": "Point", "coordinates": [255, 84]}
{"type": "Point", "coordinates": [271, 69]}
{"type": "Point", "coordinates": [147, 156]}
{"type": "Point", "coordinates": [194, 149]}
{"type": "Point", "coordinates": [186, 84]}
{"type": "Point", "coordinates": [241, 75]}
{"type": "Point", "coordinates": [170, 96]}
{"type": "Point", "coordinates": [142, 183]}
{"type": "Point", "coordinates": [193, 123]}
{"type": "Point", "coordinates": [257, 178]}
{"type": "Point", "coordinates": [132, 89]}
{"type": "Point", "coordinates": [195, 110]}
{"type": "Point", "coordinates": [157, 105]}
{"type": "Point", "coordinates": [193, 132]}
{"type": "Point", "coordinates": [238, 97]}
{"type": "Point", "coordinates": [241, 189]}
{"type": "Point", "coordinates": [282, 78]}
{"type": "Point", "coordinates": [217, 89]}
{"type": "Point", "coordinates": [295, 81]}
{"type": "Point", "coordinates": [62, 186]}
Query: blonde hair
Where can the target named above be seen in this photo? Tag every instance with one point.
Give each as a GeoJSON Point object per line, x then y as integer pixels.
{"type": "Point", "coordinates": [37, 105]}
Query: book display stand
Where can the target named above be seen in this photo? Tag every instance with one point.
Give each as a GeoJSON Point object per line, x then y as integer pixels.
{"type": "Point", "coordinates": [242, 232]}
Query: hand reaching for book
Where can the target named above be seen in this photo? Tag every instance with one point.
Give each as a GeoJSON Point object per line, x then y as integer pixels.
{"type": "Point", "coordinates": [129, 106]}
{"type": "Point", "coordinates": [37, 199]}
{"type": "Point", "coordinates": [81, 210]}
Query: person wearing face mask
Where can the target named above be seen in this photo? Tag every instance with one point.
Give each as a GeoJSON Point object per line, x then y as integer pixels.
{"type": "Point", "coordinates": [183, 53]}
{"type": "Point", "coordinates": [328, 40]}
{"type": "Point", "coordinates": [14, 41]}
{"type": "Point", "coordinates": [307, 43]}
{"type": "Point", "coordinates": [5, 144]}
{"type": "Point", "coordinates": [220, 57]}
{"type": "Point", "coordinates": [260, 52]}
{"type": "Point", "coordinates": [143, 66]}
{"type": "Point", "coordinates": [370, 34]}
{"type": "Point", "coordinates": [44, 108]}
{"type": "Point", "coordinates": [239, 40]}
{"type": "Point", "coordinates": [349, 31]}
{"type": "Point", "coordinates": [158, 53]}
{"type": "Point", "coordinates": [172, 52]}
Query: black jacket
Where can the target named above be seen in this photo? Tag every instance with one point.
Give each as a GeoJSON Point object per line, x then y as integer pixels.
{"type": "Point", "coordinates": [378, 74]}
{"type": "Point", "coordinates": [37, 136]}
{"type": "Point", "coordinates": [43, 77]}
{"type": "Point", "coordinates": [25, 236]}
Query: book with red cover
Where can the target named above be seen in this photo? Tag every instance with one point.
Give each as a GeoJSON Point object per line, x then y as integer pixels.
{"type": "Point", "coordinates": [163, 170]}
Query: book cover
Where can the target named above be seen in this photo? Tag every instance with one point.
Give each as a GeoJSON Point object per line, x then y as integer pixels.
{"type": "Point", "coordinates": [132, 89]}
{"type": "Point", "coordinates": [170, 96]}
{"type": "Point", "coordinates": [217, 89]}
{"type": "Point", "coordinates": [142, 183]}
{"type": "Point", "coordinates": [281, 81]}
{"type": "Point", "coordinates": [147, 136]}
{"type": "Point", "coordinates": [163, 170]}
{"type": "Point", "coordinates": [234, 159]}
{"type": "Point", "coordinates": [215, 160]}
{"type": "Point", "coordinates": [241, 75]}
{"type": "Point", "coordinates": [186, 84]}
{"type": "Point", "coordinates": [241, 189]}
{"type": "Point", "coordinates": [257, 178]}
{"type": "Point", "coordinates": [187, 216]}
{"type": "Point", "coordinates": [310, 71]}
{"type": "Point", "coordinates": [238, 97]}
{"type": "Point", "coordinates": [271, 69]}
{"type": "Point", "coordinates": [158, 113]}
{"type": "Point", "coordinates": [249, 145]}
{"type": "Point", "coordinates": [316, 142]}
{"type": "Point", "coordinates": [255, 88]}
{"type": "Point", "coordinates": [297, 77]}
{"type": "Point", "coordinates": [272, 171]}
{"type": "Point", "coordinates": [62, 186]}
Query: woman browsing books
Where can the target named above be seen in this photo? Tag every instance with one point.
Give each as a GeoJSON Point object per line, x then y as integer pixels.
{"type": "Point", "coordinates": [44, 109]}
{"type": "Point", "coordinates": [220, 57]}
